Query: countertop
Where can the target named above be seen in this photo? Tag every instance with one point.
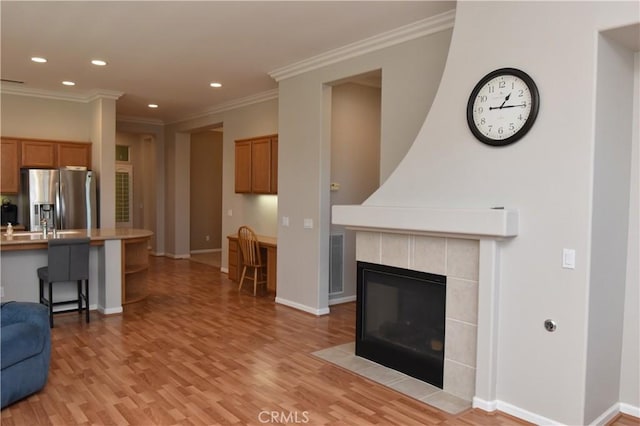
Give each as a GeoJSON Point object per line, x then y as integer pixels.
{"type": "Point", "coordinates": [21, 240]}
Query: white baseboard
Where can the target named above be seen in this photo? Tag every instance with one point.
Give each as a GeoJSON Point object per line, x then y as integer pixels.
{"type": "Point", "coordinates": [608, 415]}
{"type": "Point", "coordinates": [488, 406]}
{"type": "Point", "coordinates": [110, 311]}
{"type": "Point", "coordinates": [630, 410]}
{"type": "Point", "coordinates": [178, 256]}
{"type": "Point", "coordinates": [513, 410]}
{"type": "Point", "coordinates": [302, 307]}
{"type": "Point", "coordinates": [225, 270]}
{"type": "Point", "coordinates": [518, 412]}
{"type": "Point", "coordinates": [205, 251]}
{"type": "Point", "coordinates": [339, 300]}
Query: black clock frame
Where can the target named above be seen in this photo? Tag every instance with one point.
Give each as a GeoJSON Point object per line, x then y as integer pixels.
{"type": "Point", "coordinates": [535, 105]}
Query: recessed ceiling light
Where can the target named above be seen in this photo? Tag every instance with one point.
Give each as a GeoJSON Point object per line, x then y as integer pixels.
{"type": "Point", "coordinates": [38, 60]}
{"type": "Point", "coordinates": [153, 105]}
{"type": "Point", "coordinates": [215, 84]}
{"type": "Point", "coordinates": [98, 62]}
{"type": "Point", "coordinates": [68, 83]}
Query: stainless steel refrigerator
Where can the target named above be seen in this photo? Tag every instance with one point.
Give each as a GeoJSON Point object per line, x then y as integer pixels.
{"type": "Point", "coordinates": [65, 198]}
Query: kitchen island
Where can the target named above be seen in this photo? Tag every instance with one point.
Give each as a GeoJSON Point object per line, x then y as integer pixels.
{"type": "Point", "coordinates": [117, 266]}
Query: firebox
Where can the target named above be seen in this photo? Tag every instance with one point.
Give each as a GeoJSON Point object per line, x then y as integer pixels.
{"type": "Point", "coordinates": [400, 320]}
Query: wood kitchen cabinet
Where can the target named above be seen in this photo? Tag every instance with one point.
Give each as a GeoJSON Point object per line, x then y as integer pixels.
{"type": "Point", "coordinates": [73, 154]}
{"type": "Point", "coordinates": [243, 166]}
{"type": "Point", "coordinates": [256, 165]}
{"type": "Point", "coordinates": [38, 154]}
{"type": "Point", "coordinates": [45, 154]}
{"type": "Point", "coordinates": [10, 172]}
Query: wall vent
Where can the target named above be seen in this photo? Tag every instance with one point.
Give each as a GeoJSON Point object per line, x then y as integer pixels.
{"type": "Point", "coordinates": [336, 264]}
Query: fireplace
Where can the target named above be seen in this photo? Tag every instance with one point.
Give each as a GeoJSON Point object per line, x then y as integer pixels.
{"type": "Point", "coordinates": [400, 320]}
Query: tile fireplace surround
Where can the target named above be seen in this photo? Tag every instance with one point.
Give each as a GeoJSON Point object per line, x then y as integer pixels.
{"type": "Point", "coordinates": [462, 244]}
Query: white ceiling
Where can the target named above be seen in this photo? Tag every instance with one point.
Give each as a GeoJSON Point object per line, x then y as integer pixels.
{"type": "Point", "coordinates": [168, 52]}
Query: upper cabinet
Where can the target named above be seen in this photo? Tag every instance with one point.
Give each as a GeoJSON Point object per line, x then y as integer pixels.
{"type": "Point", "coordinates": [256, 165]}
{"type": "Point", "coordinates": [38, 154]}
{"type": "Point", "coordinates": [52, 154]}
{"type": "Point", "coordinates": [10, 172]}
{"type": "Point", "coordinates": [74, 154]}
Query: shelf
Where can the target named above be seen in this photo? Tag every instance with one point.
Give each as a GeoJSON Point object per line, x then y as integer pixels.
{"type": "Point", "coordinates": [135, 265]}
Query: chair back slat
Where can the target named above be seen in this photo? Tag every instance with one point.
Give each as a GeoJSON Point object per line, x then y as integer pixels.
{"type": "Point", "coordinates": [248, 242]}
{"type": "Point", "coordinates": [68, 259]}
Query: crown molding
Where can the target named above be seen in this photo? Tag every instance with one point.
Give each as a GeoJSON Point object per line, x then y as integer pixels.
{"type": "Point", "coordinates": [60, 96]}
{"type": "Point", "coordinates": [233, 104]}
{"type": "Point", "coordinates": [139, 120]}
{"type": "Point", "coordinates": [424, 27]}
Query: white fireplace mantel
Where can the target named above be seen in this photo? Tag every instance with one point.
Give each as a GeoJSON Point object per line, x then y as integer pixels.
{"type": "Point", "coordinates": [494, 223]}
{"type": "Point", "coordinates": [489, 226]}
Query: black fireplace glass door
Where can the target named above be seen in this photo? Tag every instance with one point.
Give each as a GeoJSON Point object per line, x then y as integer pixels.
{"type": "Point", "coordinates": [401, 320]}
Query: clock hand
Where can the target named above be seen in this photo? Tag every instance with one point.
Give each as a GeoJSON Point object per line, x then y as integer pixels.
{"type": "Point", "coordinates": [505, 100]}
{"type": "Point", "coordinates": [508, 106]}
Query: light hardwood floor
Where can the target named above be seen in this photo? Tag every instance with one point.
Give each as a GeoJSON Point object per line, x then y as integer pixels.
{"type": "Point", "coordinates": [196, 352]}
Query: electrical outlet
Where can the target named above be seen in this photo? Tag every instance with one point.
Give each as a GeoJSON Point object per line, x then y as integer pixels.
{"type": "Point", "coordinates": [207, 238]}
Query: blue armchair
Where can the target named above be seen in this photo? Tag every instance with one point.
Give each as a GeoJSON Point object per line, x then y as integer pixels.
{"type": "Point", "coordinates": [25, 349]}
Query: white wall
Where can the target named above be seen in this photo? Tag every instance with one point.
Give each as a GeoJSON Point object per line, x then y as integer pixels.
{"type": "Point", "coordinates": [630, 369]}
{"type": "Point", "coordinates": [609, 226]}
{"type": "Point", "coordinates": [547, 176]}
{"type": "Point", "coordinates": [30, 117]}
{"type": "Point", "coordinates": [411, 72]}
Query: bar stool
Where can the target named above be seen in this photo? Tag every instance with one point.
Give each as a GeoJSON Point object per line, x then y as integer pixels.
{"type": "Point", "coordinates": [68, 260]}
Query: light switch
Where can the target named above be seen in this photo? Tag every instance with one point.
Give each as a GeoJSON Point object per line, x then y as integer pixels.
{"type": "Point", "coordinates": [229, 212]}
{"type": "Point", "coordinates": [308, 223]}
{"type": "Point", "coordinates": [569, 258]}
{"type": "Point", "coordinates": [285, 220]}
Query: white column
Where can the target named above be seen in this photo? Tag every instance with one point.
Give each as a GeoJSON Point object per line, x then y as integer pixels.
{"type": "Point", "coordinates": [487, 344]}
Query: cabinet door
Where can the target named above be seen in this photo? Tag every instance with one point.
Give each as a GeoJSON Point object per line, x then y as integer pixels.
{"type": "Point", "coordinates": [10, 172]}
{"type": "Point", "coordinates": [261, 166]}
{"type": "Point", "coordinates": [274, 165]}
{"type": "Point", "coordinates": [234, 261]}
{"type": "Point", "coordinates": [243, 167]}
{"type": "Point", "coordinates": [37, 154]}
{"type": "Point", "coordinates": [74, 154]}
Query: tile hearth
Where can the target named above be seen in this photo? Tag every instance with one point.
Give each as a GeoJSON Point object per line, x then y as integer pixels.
{"type": "Point", "coordinates": [344, 356]}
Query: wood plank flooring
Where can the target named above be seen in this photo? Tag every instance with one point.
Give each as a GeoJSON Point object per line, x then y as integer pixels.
{"type": "Point", "coordinates": [196, 352]}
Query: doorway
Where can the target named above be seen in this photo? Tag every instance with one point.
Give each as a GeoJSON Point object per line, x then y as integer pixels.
{"type": "Point", "coordinates": [355, 169]}
{"type": "Point", "coordinates": [205, 221]}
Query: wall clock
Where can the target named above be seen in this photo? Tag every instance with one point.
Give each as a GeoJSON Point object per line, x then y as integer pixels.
{"type": "Point", "coordinates": [503, 106]}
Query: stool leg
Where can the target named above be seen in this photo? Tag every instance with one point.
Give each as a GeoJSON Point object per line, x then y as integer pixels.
{"type": "Point", "coordinates": [86, 283]}
{"type": "Point", "coordinates": [50, 303]}
{"type": "Point", "coordinates": [79, 283]}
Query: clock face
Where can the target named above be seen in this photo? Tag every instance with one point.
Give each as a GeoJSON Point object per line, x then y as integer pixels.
{"type": "Point", "coordinates": [502, 107]}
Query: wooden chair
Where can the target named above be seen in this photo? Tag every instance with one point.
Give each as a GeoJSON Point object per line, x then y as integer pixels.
{"type": "Point", "coordinates": [251, 258]}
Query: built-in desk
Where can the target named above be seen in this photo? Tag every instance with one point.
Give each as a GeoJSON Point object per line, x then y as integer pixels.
{"type": "Point", "coordinates": [269, 253]}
